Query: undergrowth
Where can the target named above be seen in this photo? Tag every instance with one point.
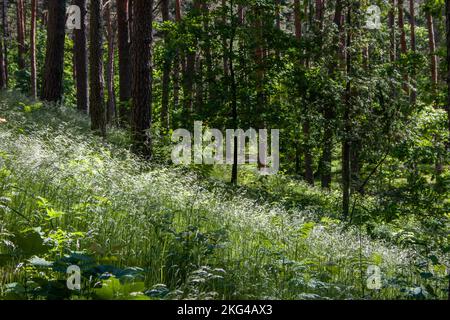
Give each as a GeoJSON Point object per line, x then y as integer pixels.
{"type": "Point", "coordinates": [144, 231]}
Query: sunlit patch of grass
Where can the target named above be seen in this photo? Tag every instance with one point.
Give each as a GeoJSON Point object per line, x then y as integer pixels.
{"type": "Point", "coordinates": [192, 238]}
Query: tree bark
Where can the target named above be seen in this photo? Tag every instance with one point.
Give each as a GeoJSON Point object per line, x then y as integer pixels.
{"type": "Point", "coordinates": [21, 49]}
{"type": "Point", "coordinates": [413, 96]}
{"type": "Point", "coordinates": [2, 66]}
{"type": "Point", "coordinates": [142, 76]}
{"type": "Point", "coordinates": [96, 97]}
{"type": "Point", "coordinates": [403, 49]}
{"type": "Point", "coordinates": [189, 74]}
{"type": "Point", "coordinates": [234, 111]}
{"type": "Point", "coordinates": [33, 67]}
{"type": "Point", "coordinates": [123, 27]}
{"type": "Point", "coordinates": [5, 25]}
{"type": "Point", "coordinates": [176, 62]}
{"type": "Point", "coordinates": [166, 70]}
{"type": "Point", "coordinates": [447, 26]}
{"type": "Point", "coordinates": [52, 86]}
{"type": "Point", "coordinates": [306, 128]}
{"type": "Point", "coordinates": [81, 60]}
{"type": "Point", "coordinates": [346, 145]}
{"type": "Point", "coordinates": [111, 32]}
{"type": "Point", "coordinates": [329, 112]}
{"type": "Point", "coordinates": [432, 51]}
{"type": "Point", "coordinates": [225, 41]}
{"type": "Point", "coordinates": [211, 92]}
{"type": "Point", "coordinates": [391, 22]}
{"type": "Point", "coordinates": [297, 20]}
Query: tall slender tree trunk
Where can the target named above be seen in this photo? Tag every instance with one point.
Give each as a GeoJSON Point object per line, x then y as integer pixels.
{"type": "Point", "coordinates": [434, 81]}
{"type": "Point", "coordinates": [260, 66]}
{"type": "Point", "coordinates": [346, 145]}
{"type": "Point", "coordinates": [413, 96]}
{"type": "Point", "coordinates": [233, 87]}
{"type": "Point", "coordinates": [225, 41]}
{"type": "Point", "coordinates": [5, 25]}
{"type": "Point", "coordinates": [177, 61]}
{"type": "Point", "coordinates": [142, 76]}
{"type": "Point", "coordinates": [81, 60]}
{"type": "Point", "coordinates": [96, 96]}
{"type": "Point", "coordinates": [165, 12]}
{"type": "Point", "coordinates": [52, 86]}
{"type": "Point", "coordinates": [403, 48]}
{"type": "Point", "coordinates": [199, 63]}
{"type": "Point", "coordinates": [278, 27]}
{"type": "Point", "coordinates": [110, 70]}
{"type": "Point", "coordinates": [432, 51]}
{"type": "Point", "coordinates": [123, 27]}
{"type": "Point", "coordinates": [2, 66]}
{"type": "Point", "coordinates": [391, 23]}
{"type": "Point", "coordinates": [210, 78]}
{"type": "Point", "coordinates": [306, 126]}
{"type": "Point", "coordinates": [189, 74]}
{"type": "Point", "coordinates": [329, 112]}
{"type": "Point", "coordinates": [21, 50]}
{"type": "Point", "coordinates": [33, 67]}
{"type": "Point", "coordinates": [447, 27]}
{"type": "Point", "coordinates": [297, 19]}
{"type": "Point", "coordinates": [199, 87]}
{"type": "Point", "coordinates": [233, 81]}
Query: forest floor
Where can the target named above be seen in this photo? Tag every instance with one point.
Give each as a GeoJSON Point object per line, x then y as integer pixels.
{"type": "Point", "coordinates": [153, 231]}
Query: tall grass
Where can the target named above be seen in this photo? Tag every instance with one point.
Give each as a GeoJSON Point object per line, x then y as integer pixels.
{"type": "Point", "coordinates": [191, 238]}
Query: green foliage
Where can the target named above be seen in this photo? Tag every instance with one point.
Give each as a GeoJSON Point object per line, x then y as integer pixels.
{"type": "Point", "coordinates": [143, 230]}
{"type": "Point", "coordinates": [67, 198]}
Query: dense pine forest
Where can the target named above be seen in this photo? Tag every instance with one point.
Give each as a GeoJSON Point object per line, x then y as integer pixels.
{"type": "Point", "coordinates": [354, 202]}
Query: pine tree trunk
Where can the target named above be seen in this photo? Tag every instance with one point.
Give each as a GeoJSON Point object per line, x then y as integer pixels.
{"type": "Point", "coordinates": [189, 74]}
{"type": "Point", "coordinates": [346, 145]}
{"type": "Point", "coordinates": [329, 112]}
{"type": "Point", "coordinates": [21, 50]}
{"type": "Point", "coordinates": [5, 25]}
{"type": "Point", "coordinates": [166, 70]}
{"type": "Point", "coordinates": [33, 50]}
{"type": "Point", "coordinates": [110, 70]}
{"type": "Point", "coordinates": [199, 88]}
{"type": "Point", "coordinates": [81, 60]}
{"type": "Point", "coordinates": [403, 48]}
{"type": "Point", "coordinates": [142, 76]}
{"type": "Point", "coordinates": [233, 89]}
{"type": "Point", "coordinates": [52, 86]}
{"type": "Point", "coordinates": [447, 26]}
{"type": "Point", "coordinates": [306, 128]}
{"type": "Point", "coordinates": [2, 66]}
{"type": "Point", "coordinates": [96, 96]}
{"type": "Point", "coordinates": [297, 20]}
{"type": "Point", "coordinates": [224, 41]}
{"type": "Point", "coordinates": [123, 27]}
{"type": "Point", "coordinates": [413, 96]}
{"type": "Point", "coordinates": [432, 51]}
{"type": "Point", "coordinates": [176, 62]}
{"type": "Point", "coordinates": [391, 22]}
{"type": "Point", "coordinates": [211, 94]}
{"type": "Point", "coordinates": [2, 54]}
